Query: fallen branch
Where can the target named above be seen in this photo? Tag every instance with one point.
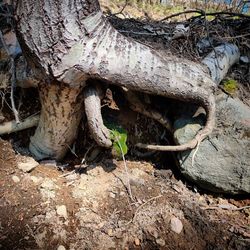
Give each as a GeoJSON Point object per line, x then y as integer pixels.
{"type": "Point", "coordinates": [182, 13]}
{"type": "Point", "coordinates": [13, 126]}
{"type": "Point", "coordinates": [203, 13]}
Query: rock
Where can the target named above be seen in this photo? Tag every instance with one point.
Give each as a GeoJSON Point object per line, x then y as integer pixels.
{"type": "Point", "coordinates": [35, 179]}
{"type": "Point", "coordinates": [61, 247]}
{"type": "Point", "coordinates": [137, 242]}
{"type": "Point", "coordinates": [27, 164]}
{"type": "Point", "coordinates": [110, 232]}
{"type": "Point", "coordinates": [112, 195]}
{"type": "Point", "coordinates": [160, 242]}
{"type": "Point", "coordinates": [62, 211]}
{"type": "Point", "coordinates": [245, 59]}
{"type": "Point", "coordinates": [15, 178]}
{"type": "Point", "coordinates": [176, 225]}
{"type": "Point", "coordinates": [222, 162]}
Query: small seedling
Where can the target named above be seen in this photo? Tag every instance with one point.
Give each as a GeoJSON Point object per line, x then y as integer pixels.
{"type": "Point", "coordinates": [230, 86]}
{"type": "Point", "coordinates": [119, 137]}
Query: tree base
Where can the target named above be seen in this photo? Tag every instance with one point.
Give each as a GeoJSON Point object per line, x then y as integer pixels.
{"type": "Point", "coordinates": [60, 117]}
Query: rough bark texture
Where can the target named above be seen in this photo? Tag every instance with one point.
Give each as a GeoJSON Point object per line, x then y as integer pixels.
{"type": "Point", "coordinates": [71, 41]}
{"type": "Point", "coordinates": [220, 60]}
{"type": "Point", "coordinates": [60, 116]}
{"type": "Point", "coordinates": [92, 103]}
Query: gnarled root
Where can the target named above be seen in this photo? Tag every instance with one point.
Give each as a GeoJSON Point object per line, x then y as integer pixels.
{"type": "Point", "coordinates": [92, 102]}
{"type": "Point", "coordinates": [210, 109]}
{"type": "Point", "coordinates": [60, 116]}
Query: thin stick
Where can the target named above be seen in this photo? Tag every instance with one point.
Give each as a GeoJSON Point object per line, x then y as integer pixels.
{"type": "Point", "coordinates": [195, 152]}
{"type": "Point", "coordinates": [126, 168]}
{"type": "Point", "coordinates": [13, 79]}
{"type": "Point", "coordinates": [72, 151]}
{"type": "Point", "coordinates": [123, 8]}
{"type": "Point", "coordinates": [145, 203]}
{"type": "Point", "coordinates": [181, 13]}
{"type": "Point", "coordinates": [13, 85]}
{"type": "Point", "coordinates": [203, 13]}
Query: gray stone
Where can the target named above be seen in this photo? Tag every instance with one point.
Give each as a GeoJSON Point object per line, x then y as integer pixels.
{"type": "Point", "coordinates": [176, 225]}
{"type": "Point", "coordinates": [15, 178]}
{"type": "Point", "coordinates": [62, 211]}
{"type": "Point", "coordinates": [27, 164]}
{"type": "Point", "coordinates": [222, 162]}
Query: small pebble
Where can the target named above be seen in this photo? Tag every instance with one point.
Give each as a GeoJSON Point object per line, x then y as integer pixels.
{"type": "Point", "coordinates": [176, 225]}
{"type": "Point", "coordinates": [28, 164]}
{"type": "Point", "coordinates": [160, 242]}
{"type": "Point", "coordinates": [137, 242]}
{"type": "Point", "coordinates": [61, 247]}
{"type": "Point", "coordinates": [15, 179]}
{"type": "Point", "coordinates": [112, 195]}
{"type": "Point", "coordinates": [62, 211]}
{"type": "Point", "coordinates": [34, 179]}
{"type": "Point", "coordinates": [110, 232]}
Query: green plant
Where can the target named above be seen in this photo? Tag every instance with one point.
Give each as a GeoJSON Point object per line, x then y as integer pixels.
{"type": "Point", "coordinates": [230, 86]}
{"type": "Point", "coordinates": [119, 137]}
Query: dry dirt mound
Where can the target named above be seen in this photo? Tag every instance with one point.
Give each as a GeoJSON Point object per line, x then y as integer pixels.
{"type": "Point", "coordinates": [48, 208]}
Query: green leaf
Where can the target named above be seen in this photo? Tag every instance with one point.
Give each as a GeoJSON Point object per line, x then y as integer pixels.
{"type": "Point", "coordinates": [119, 137]}
{"type": "Point", "coordinates": [230, 86]}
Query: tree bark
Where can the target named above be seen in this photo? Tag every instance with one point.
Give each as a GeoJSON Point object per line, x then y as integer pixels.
{"type": "Point", "coordinates": [68, 42]}
{"type": "Point", "coordinates": [60, 116]}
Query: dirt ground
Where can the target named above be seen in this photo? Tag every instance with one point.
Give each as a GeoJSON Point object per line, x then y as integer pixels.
{"type": "Point", "coordinates": [51, 208]}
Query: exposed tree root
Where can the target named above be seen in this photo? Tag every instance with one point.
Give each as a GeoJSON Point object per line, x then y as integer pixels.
{"type": "Point", "coordinates": [13, 126]}
{"type": "Point", "coordinates": [94, 49]}
{"type": "Point", "coordinates": [92, 102]}
{"type": "Point", "coordinates": [59, 120]}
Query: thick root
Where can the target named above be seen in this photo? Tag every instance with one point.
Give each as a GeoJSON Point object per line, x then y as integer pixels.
{"type": "Point", "coordinates": [92, 103]}
{"type": "Point", "coordinates": [60, 116]}
{"type": "Point", "coordinates": [210, 109]}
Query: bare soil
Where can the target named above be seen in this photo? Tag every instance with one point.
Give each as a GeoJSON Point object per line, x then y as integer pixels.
{"type": "Point", "coordinates": [100, 213]}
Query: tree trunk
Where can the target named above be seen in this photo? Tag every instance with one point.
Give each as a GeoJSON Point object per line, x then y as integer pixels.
{"type": "Point", "coordinates": [71, 41]}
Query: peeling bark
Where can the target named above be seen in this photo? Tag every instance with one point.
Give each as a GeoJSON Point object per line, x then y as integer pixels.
{"type": "Point", "coordinates": [71, 41]}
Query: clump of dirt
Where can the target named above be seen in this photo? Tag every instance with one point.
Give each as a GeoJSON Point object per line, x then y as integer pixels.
{"type": "Point", "coordinates": [94, 209]}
